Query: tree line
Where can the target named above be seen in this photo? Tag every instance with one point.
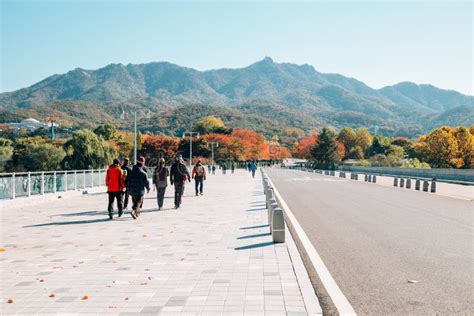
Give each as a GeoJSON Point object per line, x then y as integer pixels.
{"type": "Point", "coordinates": [94, 149]}
{"type": "Point", "coordinates": [444, 147]}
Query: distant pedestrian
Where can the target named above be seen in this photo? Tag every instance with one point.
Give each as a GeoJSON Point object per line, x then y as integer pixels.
{"type": "Point", "coordinates": [248, 166]}
{"type": "Point", "coordinates": [224, 168]}
{"type": "Point", "coordinates": [126, 168]}
{"type": "Point", "coordinates": [178, 176]}
{"type": "Point", "coordinates": [213, 169]}
{"type": "Point", "coordinates": [160, 180]}
{"type": "Point", "coordinates": [253, 168]}
{"type": "Point", "coordinates": [138, 182]}
{"type": "Point", "coordinates": [114, 180]}
{"type": "Point", "coordinates": [209, 169]}
{"type": "Point", "coordinates": [199, 175]}
{"type": "Point", "coordinates": [232, 167]}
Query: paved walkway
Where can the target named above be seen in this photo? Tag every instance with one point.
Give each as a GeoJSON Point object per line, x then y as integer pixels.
{"type": "Point", "coordinates": [212, 256]}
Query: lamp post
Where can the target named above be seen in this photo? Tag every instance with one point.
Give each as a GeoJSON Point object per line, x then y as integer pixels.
{"type": "Point", "coordinates": [135, 138]}
{"type": "Point", "coordinates": [191, 146]}
{"type": "Point", "coordinates": [213, 144]}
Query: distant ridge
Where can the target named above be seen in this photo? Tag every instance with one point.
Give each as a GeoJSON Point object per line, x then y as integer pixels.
{"type": "Point", "coordinates": [298, 90]}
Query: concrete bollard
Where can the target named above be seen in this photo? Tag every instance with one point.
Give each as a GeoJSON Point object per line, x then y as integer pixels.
{"type": "Point", "coordinates": [417, 184]}
{"type": "Point", "coordinates": [426, 185]}
{"type": "Point", "coordinates": [370, 178]}
{"type": "Point", "coordinates": [356, 177]}
{"type": "Point", "coordinates": [402, 182]}
{"type": "Point", "coordinates": [395, 182]}
{"type": "Point", "coordinates": [366, 177]}
{"type": "Point", "coordinates": [333, 173]}
{"type": "Point", "coordinates": [374, 179]}
{"type": "Point", "coordinates": [408, 184]}
{"type": "Point", "coordinates": [268, 196]}
{"type": "Point", "coordinates": [273, 205]}
{"type": "Point", "coordinates": [278, 226]}
{"type": "Point", "coordinates": [433, 186]}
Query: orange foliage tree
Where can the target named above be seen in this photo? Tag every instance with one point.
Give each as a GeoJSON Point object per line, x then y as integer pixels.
{"type": "Point", "coordinates": [303, 148]}
{"type": "Point", "coordinates": [155, 147]}
{"type": "Point", "coordinates": [254, 144]}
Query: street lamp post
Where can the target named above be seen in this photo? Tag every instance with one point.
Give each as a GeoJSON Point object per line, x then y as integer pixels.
{"type": "Point", "coordinates": [213, 144]}
{"type": "Point", "coordinates": [135, 138]}
{"type": "Point", "coordinates": [191, 146]}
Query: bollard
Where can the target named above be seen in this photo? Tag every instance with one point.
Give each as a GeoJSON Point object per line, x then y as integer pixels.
{"type": "Point", "coordinates": [366, 177]}
{"type": "Point", "coordinates": [374, 179]}
{"type": "Point", "coordinates": [370, 178]}
{"type": "Point", "coordinates": [278, 226]}
{"type": "Point", "coordinates": [268, 196]}
{"type": "Point", "coordinates": [417, 184]}
{"type": "Point", "coordinates": [333, 173]}
{"type": "Point", "coordinates": [356, 177]}
{"type": "Point", "coordinates": [272, 202]}
{"type": "Point", "coordinates": [408, 184]}
{"type": "Point", "coordinates": [433, 186]}
{"type": "Point", "coordinates": [402, 182]}
{"type": "Point", "coordinates": [426, 185]}
{"type": "Point", "coordinates": [395, 182]}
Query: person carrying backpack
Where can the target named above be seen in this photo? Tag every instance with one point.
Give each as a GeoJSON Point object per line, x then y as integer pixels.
{"type": "Point", "coordinates": [114, 180]}
{"type": "Point", "coordinates": [160, 180]}
{"type": "Point", "coordinates": [178, 176]}
{"type": "Point", "coordinates": [138, 181]}
{"type": "Point", "coordinates": [199, 175]}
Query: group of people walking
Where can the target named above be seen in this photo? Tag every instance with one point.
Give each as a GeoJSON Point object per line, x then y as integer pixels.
{"type": "Point", "coordinates": [125, 181]}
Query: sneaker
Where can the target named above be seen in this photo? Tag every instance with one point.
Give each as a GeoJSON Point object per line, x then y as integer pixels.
{"type": "Point", "coordinates": [111, 216]}
{"type": "Point", "coordinates": [202, 193]}
{"type": "Point", "coordinates": [132, 212]}
{"type": "Point", "coordinates": [120, 214]}
{"type": "Point", "coordinates": [196, 194]}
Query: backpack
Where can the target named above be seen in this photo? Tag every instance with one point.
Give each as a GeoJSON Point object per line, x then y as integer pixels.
{"type": "Point", "coordinates": [200, 171]}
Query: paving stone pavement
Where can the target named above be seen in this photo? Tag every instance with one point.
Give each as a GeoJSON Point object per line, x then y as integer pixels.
{"type": "Point", "coordinates": [212, 256]}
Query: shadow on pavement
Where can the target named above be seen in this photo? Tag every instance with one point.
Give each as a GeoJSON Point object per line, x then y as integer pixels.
{"type": "Point", "coordinates": [253, 227]}
{"type": "Point", "coordinates": [255, 236]}
{"type": "Point", "coordinates": [101, 213]}
{"type": "Point", "coordinates": [263, 244]}
{"type": "Point", "coordinates": [99, 220]}
{"type": "Point", "coordinates": [256, 209]}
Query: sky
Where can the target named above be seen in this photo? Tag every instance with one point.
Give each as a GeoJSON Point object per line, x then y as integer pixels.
{"type": "Point", "coordinates": [378, 42]}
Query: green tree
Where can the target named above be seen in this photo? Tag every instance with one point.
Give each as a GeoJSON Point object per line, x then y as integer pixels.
{"type": "Point", "coordinates": [211, 124]}
{"type": "Point", "coordinates": [86, 150]}
{"type": "Point", "coordinates": [355, 153]}
{"type": "Point", "coordinates": [107, 131]}
{"type": "Point", "coordinates": [39, 157]}
{"type": "Point", "coordinates": [466, 146]}
{"type": "Point", "coordinates": [6, 151]}
{"type": "Point", "coordinates": [325, 153]}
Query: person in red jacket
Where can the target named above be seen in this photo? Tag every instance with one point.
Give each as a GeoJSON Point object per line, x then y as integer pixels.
{"type": "Point", "coordinates": [114, 180]}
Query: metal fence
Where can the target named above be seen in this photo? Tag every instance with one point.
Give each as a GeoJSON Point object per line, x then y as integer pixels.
{"type": "Point", "coordinates": [25, 184]}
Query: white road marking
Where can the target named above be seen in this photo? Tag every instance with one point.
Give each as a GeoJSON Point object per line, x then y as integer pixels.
{"type": "Point", "coordinates": [338, 298]}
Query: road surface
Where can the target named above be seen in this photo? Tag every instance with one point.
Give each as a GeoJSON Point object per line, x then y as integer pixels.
{"type": "Point", "coordinates": [375, 239]}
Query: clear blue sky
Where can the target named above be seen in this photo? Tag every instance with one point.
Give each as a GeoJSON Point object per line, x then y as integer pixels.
{"type": "Point", "coordinates": [377, 43]}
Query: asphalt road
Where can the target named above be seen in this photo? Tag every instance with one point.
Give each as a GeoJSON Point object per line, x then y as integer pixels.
{"type": "Point", "coordinates": [373, 239]}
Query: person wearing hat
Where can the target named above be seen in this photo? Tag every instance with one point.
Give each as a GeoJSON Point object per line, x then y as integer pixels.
{"type": "Point", "coordinates": [126, 168]}
{"type": "Point", "coordinates": [178, 176]}
{"type": "Point", "coordinates": [199, 175]}
{"type": "Point", "coordinates": [114, 180]}
{"type": "Point", "coordinates": [138, 182]}
{"type": "Point", "coordinates": [160, 180]}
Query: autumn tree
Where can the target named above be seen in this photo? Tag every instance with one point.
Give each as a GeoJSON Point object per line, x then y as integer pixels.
{"type": "Point", "coordinates": [363, 138]}
{"type": "Point", "coordinates": [156, 147]}
{"type": "Point", "coordinates": [440, 149]}
{"type": "Point", "coordinates": [347, 137]}
{"type": "Point", "coordinates": [326, 152]}
{"type": "Point", "coordinates": [465, 142]}
{"type": "Point", "coordinates": [255, 146]}
{"type": "Point", "coordinates": [303, 147]}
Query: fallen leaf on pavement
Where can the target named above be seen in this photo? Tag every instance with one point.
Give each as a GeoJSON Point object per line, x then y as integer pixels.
{"type": "Point", "coordinates": [112, 306]}
{"type": "Point", "coordinates": [126, 299]}
{"type": "Point", "coordinates": [52, 295]}
{"type": "Point", "coordinates": [149, 278]}
{"type": "Point", "coordinates": [144, 283]}
{"type": "Point", "coordinates": [10, 301]}
{"type": "Point", "coordinates": [85, 297]}
{"type": "Point", "coordinates": [2, 249]}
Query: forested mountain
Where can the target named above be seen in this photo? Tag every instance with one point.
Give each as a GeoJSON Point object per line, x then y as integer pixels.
{"type": "Point", "coordinates": [265, 94]}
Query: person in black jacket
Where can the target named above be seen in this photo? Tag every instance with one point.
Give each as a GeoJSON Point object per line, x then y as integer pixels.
{"type": "Point", "coordinates": [127, 169]}
{"type": "Point", "coordinates": [138, 181]}
{"type": "Point", "coordinates": [178, 176]}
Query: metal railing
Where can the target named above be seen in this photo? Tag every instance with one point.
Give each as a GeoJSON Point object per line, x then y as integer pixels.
{"type": "Point", "coordinates": [25, 184]}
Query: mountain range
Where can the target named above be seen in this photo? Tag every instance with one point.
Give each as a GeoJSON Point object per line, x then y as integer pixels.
{"type": "Point", "coordinates": [266, 96]}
